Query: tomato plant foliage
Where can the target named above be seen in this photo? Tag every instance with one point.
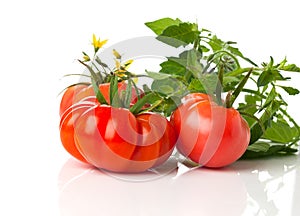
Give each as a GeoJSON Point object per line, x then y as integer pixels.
{"type": "Point", "coordinates": [216, 67]}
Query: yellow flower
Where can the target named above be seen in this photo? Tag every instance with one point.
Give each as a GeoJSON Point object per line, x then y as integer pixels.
{"type": "Point", "coordinates": [127, 64]}
{"type": "Point", "coordinates": [97, 43]}
{"type": "Point", "coordinates": [116, 54]}
{"type": "Point", "coordinates": [118, 64]}
{"type": "Point", "coordinates": [85, 57]}
{"type": "Point", "coordinates": [122, 68]}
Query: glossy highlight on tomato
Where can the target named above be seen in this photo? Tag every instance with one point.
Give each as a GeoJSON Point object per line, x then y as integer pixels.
{"type": "Point", "coordinates": [66, 126]}
{"type": "Point", "coordinates": [69, 96]}
{"type": "Point", "coordinates": [209, 134]}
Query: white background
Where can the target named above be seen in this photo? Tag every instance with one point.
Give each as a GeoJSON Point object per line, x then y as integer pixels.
{"type": "Point", "coordinates": [40, 42]}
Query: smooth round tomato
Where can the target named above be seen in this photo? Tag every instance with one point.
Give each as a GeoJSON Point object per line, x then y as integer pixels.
{"type": "Point", "coordinates": [209, 134]}
{"type": "Point", "coordinates": [78, 92]}
{"type": "Point", "coordinates": [116, 140]}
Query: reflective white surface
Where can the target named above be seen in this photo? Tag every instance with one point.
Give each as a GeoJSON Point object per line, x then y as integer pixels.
{"type": "Point", "coordinates": [252, 187]}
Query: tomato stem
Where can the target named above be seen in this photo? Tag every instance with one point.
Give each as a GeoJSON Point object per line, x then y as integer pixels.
{"type": "Point", "coordinates": [220, 86]}
{"type": "Point", "coordinates": [238, 90]}
{"type": "Point", "coordinates": [228, 99]}
{"type": "Point", "coordinates": [113, 92]}
{"type": "Point", "coordinates": [136, 108]}
{"type": "Point", "coordinates": [95, 83]}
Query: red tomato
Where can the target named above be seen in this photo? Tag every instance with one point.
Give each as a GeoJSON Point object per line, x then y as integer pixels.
{"type": "Point", "coordinates": [79, 99]}
{"type": "Point", "coordinates": [114, 139]}
{"type": "Point", "coordinates": [76, 93]}
{"type": "Point", "coordinates": [67, 127]}
{"type": "Point", "coordinates": [68, 97]}
{"type": "Point", "coordinates": [209, 134]}
{"type": "Point", "coordinates": [195, 97]}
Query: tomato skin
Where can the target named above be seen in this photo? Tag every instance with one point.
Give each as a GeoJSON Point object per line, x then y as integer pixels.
{"type": "Point", "coordinates": [196, 97]}
{"type": "Point", "coordinates": [68, 97]}
{"type": "Point", "coordinates": [66, 127]}
{"type": "Point", "coordinates": [209, 134]}
{"type": "Point", "coordinates": [114, 139]}
{"type": "Point", "coordinates": [156, 141]}
{"type": "Point", "coordinates": [187, 101]}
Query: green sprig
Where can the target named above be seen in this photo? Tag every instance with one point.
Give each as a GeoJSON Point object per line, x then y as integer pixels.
{"type": "Point", "coordinates": [216, 69]}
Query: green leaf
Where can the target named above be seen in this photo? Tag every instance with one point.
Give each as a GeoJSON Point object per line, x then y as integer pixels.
{"type": "Point", "coordinates": [281, 132]}
{"type": "Point", "coordinates": [256, 131]}
{"type": "Point", "coordinates": [290, 67]}
{"type": "Point", "coordinates": [271, 96]}
{"type": "Point", "coordinates": [94, 76]}
{"type": "Point", "coordinates": [216, 44]}
{"type": "Point", "coordinates": [186, 56]}
{"type": "Point", "coordinates": [250, 107]}
{"type": "Point", "coordinates": [196, 86]}
{"type": "Point", "coordinates": [95, 83]}
{"type": "Point", "coordinates": [259, 147]}
{"type": "Point", "coordinates": [206, 83]}
{"type": "Point", "coordinates": [158, 26]}
{"type": "Point", "coordinates": [128, 94]}
{"type": "Point", "coordinates": [168, 106]}
{"type": "Point", "coordinates": [186, 65]}
{"type": "Point", "coordinates": [290, 90]}
{"type": "Point", "coordinates": [167, 87]}
{"type": "Point", "coordinates": [264, 149]}
{"type": "Point", "coordinates": [204, 48]}
{"type": "Point", "coordinates": [268, 76]}
{"type": "Point", "coordinates": [178, 35]}
{"type": "Point", "coordinates": [157, 76]}
{"type": "Point", "coordinates": [148, 98]}
{"type": "Point", "coordinates": [114, 93]}
{"type": "Point", "coordinates": [98, 93]}
{"type": "Point", "coordinates": [229, 83]}
{"type": "Point", "coordinates": [230, 79]}
{"type": "Point", "coordinates": [193, 63]}
{"type": "Point", "coordinates": [172, 67]}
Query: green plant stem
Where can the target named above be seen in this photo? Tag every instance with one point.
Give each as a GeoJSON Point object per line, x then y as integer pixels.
{"type": "Point", "coordinates": [219, 87]}
{"type": "Point", "coordinates": [229, 54]}
{"type": "Point", "coordinates": [239, 88]}
{"type": "Point", "coordinates": [239, 71]}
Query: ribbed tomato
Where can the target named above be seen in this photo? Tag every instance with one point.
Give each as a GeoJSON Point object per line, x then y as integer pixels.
{"type": "Point", "coordinates": [114, 139]}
